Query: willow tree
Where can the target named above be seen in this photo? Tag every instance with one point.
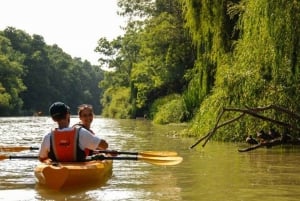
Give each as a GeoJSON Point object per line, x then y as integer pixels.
{"type": "Point", "coordinates": [261, 68]}
{"type": "Point", "coordinates": [212, 33]}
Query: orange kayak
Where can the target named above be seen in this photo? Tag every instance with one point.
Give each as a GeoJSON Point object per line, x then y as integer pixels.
{"type": "Point", "coordinates": [65, 175]}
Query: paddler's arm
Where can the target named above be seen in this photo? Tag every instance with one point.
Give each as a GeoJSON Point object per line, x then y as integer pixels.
{"type": "Point", "coordinates": [43, 160]}
{"type": "Point", "coordinates": [102, 145]}
{"type": "Point", "coordinates": [43, 156]}
{"type": "Point", "coordinates": [44, 149]}
{"type": "Point", "coordinates": [90, 141]}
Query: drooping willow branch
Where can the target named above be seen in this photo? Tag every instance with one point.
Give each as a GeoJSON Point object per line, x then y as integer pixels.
{"type": "Point", "coordinates": [252, 112]}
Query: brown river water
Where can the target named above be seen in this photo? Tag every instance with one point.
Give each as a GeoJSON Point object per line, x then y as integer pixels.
{"type": "Point", "coordinates": [217, 172]}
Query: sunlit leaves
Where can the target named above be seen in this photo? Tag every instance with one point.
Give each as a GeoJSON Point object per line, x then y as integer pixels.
{"type": "Point", "coordinates": [261, 67]}
{"type": "Point", "coordinates": [11, 84]}
{"type": "Point", "coordinates": [33, 75]}
{"type": "Point", "coordinates": [116, 101]}
{"type": "Point", "coordinates": [154, 53]}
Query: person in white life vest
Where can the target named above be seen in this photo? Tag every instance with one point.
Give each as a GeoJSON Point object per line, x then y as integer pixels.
{"type": "Point", "coordinates": [66, 144]}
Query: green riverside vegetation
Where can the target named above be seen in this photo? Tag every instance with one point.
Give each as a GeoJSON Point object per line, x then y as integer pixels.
{"type": "Point", "coordinates": [178, 61]}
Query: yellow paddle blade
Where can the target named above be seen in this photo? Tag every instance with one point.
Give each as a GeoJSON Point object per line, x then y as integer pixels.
{"type": "Point", "coordinates": [17, 148]}
{"type": "Point", "coordinates": [167, 160]}
{"type": "Point", "coordinates": [158, 153]}
{"type": "Point", "coordinates": [3, 157]}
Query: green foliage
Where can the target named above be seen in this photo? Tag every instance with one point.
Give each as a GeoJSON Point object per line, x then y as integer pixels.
{"type": "Point", "coordinates": [116, 103]}
{"type": "Point", "coordinates": [180, 60]}
{"type": "Point", "coordinates": [198, 88]}
{"type": "Point", "coordinates": [133, 8]}
{"type": "Point", "coordinates": [162, 59]}
{"type": "Point", "coordinates": [261, 70]}
{"type": "Point", "coordinates": [33, 75]}
{"type": "Point", "coordinates": [4, 97]}
{"type": "Point", "coordinates": [212, 33]}
{"type": "Point", "coordinates": [262, 66]}
{"type": "Point", "coordinates": [169, 109]}
{"type": "Point", "coordinates": [153, 55]}
{"type": "Point", "coordinates": [11, 84]}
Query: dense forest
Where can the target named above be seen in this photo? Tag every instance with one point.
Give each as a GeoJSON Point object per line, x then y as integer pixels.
{"type": "Point", "coordinates": [178, 61]}
{"type": "Point", "coordinates": [33, 75]}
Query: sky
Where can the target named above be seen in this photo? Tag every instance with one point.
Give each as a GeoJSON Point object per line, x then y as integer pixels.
{"type": "Point", "coordinates": [74, 25]}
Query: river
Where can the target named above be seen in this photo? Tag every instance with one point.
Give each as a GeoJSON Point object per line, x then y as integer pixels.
{"type": "Point", "coordinates": [217, 172]}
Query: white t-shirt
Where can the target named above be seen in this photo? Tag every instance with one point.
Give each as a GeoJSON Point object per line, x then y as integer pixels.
{"type": "Point", "coordinates": [86, 140]}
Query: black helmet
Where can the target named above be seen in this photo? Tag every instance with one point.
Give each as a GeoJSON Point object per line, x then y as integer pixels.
{"type": "Point", "coordinates": [58, 109]}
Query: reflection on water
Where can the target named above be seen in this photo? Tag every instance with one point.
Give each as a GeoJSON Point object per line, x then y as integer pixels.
{"type": "Point", "coordinates": [216, 172]}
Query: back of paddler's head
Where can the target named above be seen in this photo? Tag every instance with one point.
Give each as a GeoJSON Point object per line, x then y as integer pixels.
{"type": "Point", "coordinates": [59, 110]}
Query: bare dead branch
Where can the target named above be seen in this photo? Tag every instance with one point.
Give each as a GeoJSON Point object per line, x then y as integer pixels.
{"type": "Point", "coordinates": [276, 107]}
{"type": "Point", "coordinates": [214, 130]}
{"type": "Point", "coordinates": [270, 144]}
{"type": "Point", "coordinates": [250, 148]}
{"type": "Point", "coordinates": [217, 127]}
{"type": "Point", "coordinates": [252, 112]}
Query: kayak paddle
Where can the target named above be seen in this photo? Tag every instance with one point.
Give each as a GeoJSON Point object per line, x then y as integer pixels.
{"type": "Point", "coordinates": [18, 148]}
{"type": "Point", "coordinates": [167, 160]}
{"type": "Point", "coordinates": [3, 157]}
{"type": "Point", "coordinates": [143, 153]}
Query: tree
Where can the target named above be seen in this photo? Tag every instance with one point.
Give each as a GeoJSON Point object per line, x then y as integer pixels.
{"type": "Point", "coordinates": [48, 73]}
{"type": "Point", "coordinates": [11, 84]}
{"type": "Point", "coordinates": [154, 53]}
{"type": "Point", "coordinates": [257, 66]}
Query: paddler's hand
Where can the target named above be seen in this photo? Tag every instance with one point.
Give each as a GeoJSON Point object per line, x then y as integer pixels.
{"type": "Point", "coordinates": [103, 145]}
{"type": "Point", "coordinates": [114, 153]}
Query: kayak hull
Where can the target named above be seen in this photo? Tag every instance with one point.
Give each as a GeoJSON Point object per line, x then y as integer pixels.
{"type": "Point", "coordinates": [69, 175]}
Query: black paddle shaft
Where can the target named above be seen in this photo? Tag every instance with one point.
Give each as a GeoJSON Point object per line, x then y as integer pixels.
{"type": "Point", "coordinates": [102, 157]}
{"type": "Point", "coordinates": [116, 152]}
{"type": "Point", "coordinates": [27, 157]}
{"type": "Point", "coordinates": [89, 158]}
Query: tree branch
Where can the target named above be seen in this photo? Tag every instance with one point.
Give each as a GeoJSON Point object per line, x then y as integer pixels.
{"type": "Point", "coordinates": [252, 112]}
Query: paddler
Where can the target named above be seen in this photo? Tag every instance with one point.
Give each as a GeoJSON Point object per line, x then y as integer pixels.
{"type": "Point", "coordinates": [86, 117]}
{"type": "Point", "coordinates": [67, 144]}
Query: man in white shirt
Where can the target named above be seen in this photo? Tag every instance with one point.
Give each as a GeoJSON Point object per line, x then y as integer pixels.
{"type": "Point", "coordinates": [66, 144]}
